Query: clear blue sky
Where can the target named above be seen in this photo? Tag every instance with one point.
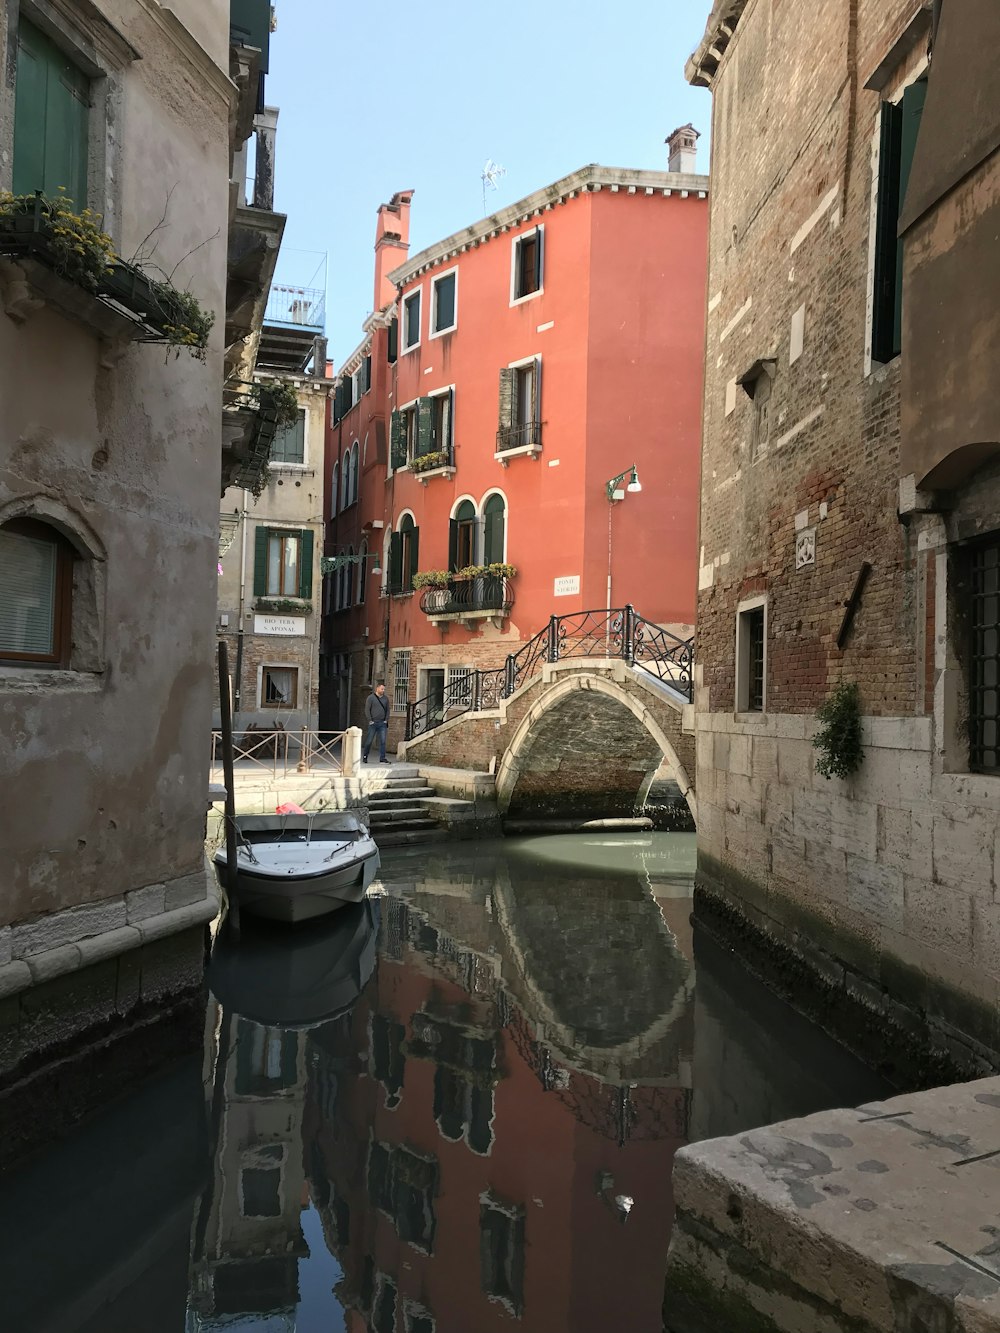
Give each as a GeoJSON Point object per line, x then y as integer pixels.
{"type": "Point", "coordinates": [378, 98]}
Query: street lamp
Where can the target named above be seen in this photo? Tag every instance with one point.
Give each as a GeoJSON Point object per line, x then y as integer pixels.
{"type": "Point", "coordinates": [330, 564]}
{"type": "Point", "coordinates": [615, 493]}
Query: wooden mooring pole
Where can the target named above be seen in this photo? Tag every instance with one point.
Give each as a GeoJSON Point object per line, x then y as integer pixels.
{"type": "Point", "coordinates": [226, 715]}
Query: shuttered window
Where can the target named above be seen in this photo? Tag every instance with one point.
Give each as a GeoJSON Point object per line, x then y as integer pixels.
{"type": "Point", "coordinates": [35, 588]}
{"type": "Point", "coordinates": [444, 293]}
{"type": "Point", "coordinates": [283, 563]}
{"type": "Point", "coordinates": [494, 522]}
{"type": "Point", "coordinates": [51, 119]}
{"type": "Point", "coordinates": [462, 538]}
{"type": "Point", "coordinates": [403, 555]}
{"type": "Point", "coordinates": [442, 413]}
{"type": "Point", "coordinates": [392, 346]}
{"type": "Point", "coordinates": [897, 145]}
{"type": "Point", "coordinates": [411, 321]}
{"type": "Point", "coordinates": [519, 419]}
{"type": "Point", "coordinates": [527, 276]}
{"type": "Point", "coordinates": [290, 443]}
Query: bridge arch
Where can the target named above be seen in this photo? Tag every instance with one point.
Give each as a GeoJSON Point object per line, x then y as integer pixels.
{"type": "Point", "coordinates": [600, 752]}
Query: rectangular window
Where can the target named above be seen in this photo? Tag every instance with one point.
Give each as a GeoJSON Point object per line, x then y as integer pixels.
{"type": "Point", "coordinates": [751, 658]}
{"type": "Point", "coordinates": [501, 1254]}
{"type": "Point", "coordinates": [761, 416]}
{"type": "Point", "coordinates": [261, 1192]}
{"type": "Point", "coordinates": [283, 553]}
{"type": "Point", "coordinates": [444, 303]}
{"type": "Point", "coordinates": [519, 422]}
{"type": "Point", "coordinates": [458, 687]}
{"type": "Point", "coordinates": [400, 680]}
{"type": "Point", "coordinates": [278, 687]}
{"type": "Point", "coordinates": [441, 423]}
{"type": "Point", "coordinates": [984, 666]}
{"type": "Point", "coordinates": [392, 341]}
{"type": "Point", "coordinates": [900, 126]}
{"type": "Point", "coordinates": [51, 119]}
{"type": "Point", "coordinates": [36, 579]}
{"type": "Point", "coordinates": [411, 321]}
{"type": "Point", "coordinates": [410, 432]}
{"type": "Point", "coordinates": [290, 442]}
{"type": "Point", "coordinates": [526, 279]}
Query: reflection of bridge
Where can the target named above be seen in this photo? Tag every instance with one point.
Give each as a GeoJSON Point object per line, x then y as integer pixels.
{"type": "Point", "coordinates": [576, 724]}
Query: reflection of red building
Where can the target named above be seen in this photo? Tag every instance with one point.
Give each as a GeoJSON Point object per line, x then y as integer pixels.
{"type": "Point", "coordinates": [509, 372]}
{"type": "Point", "coordinates": [472, 1175]}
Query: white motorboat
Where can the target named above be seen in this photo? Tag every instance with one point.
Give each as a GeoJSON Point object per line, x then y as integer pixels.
{"type": "Point", "coordinates": [294, 867]}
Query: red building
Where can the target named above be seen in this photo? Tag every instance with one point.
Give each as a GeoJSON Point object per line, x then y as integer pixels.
{"type": "Point", "coordinates": [510, 372]}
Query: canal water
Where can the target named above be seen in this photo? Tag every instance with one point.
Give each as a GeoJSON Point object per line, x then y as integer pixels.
{"type": "Point", "coordinates": [453, 1108]}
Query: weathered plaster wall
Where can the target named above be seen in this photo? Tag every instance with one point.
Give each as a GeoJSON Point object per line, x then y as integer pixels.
{"type": "Point", "coordinates": [105, 767]}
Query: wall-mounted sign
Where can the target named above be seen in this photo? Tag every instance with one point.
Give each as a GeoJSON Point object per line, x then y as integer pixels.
{"type": "Point", "coordinates": [279, 625]}
{"type": "Point", "coordinates": [566, 586]}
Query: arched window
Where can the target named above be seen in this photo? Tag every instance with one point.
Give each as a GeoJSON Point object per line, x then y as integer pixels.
{"type": "Point", "coordinates": [403, 555]}
{"type": "Point", "coordinates": [345, 480]}
{"type": "Point", "coordinates": [335, 481]}
{"type": "Point", "coordinates": [462, 537]}
{"type": "Point", "coordinates": [494, 530]}
{"type": "Point", "coordinates": [362, 574]}
{"type": "Point", "coordinates": [36, 589]}
{"type": "Point", "coordinates": [355, 457]}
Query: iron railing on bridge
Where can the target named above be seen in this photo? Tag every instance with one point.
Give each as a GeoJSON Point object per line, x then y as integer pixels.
{"type": "Point", "coordinates": [616, 633]}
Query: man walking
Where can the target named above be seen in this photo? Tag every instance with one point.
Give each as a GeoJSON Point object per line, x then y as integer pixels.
{"type": "Point", "coordinates": [377, 715]}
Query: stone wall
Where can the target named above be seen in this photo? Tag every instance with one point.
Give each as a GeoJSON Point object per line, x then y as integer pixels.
{"type": "Point", "coordinates": [868, 901]}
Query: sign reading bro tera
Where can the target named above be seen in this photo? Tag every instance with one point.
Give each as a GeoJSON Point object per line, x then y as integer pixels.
{"type": "Point", "coordinates": [289, 625]}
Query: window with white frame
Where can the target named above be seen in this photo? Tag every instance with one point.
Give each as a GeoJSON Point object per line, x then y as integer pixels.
{"type": "Point", "coordinates": [444, 303]}
{"type": "Point", "coordinates": [458, 686]}
{"type": "Point", "coordinates": [519, 423]}
{"type": "Point", "coordinates": [527, 257]}
{"type": "Point", "coordinates": [400, 680]}
{"type": "Point", "coordinates": [411, 320]}
{"type": "Point", "coordinates": [751, 656]}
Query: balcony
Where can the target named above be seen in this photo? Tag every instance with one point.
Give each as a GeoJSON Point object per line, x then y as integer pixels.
{"type": "Point", "coordinates": [484, 597]}
{"type": "Point", "coordinates": [293, 321]}
{"type": "Point", "coordinates": [435, 463]}
{"type": "Point", "coordinates": [522, 439]}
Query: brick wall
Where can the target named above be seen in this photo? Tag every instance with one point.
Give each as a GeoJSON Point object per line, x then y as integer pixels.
{"type": "Point", "coordinates": [860, 888]}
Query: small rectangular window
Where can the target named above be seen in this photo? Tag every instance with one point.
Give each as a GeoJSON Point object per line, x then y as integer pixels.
{"type": "Point", "coordinates": [35, 588]}
{"type": "Point", "coordinates": [527, 278]}
{"type": "Point", "coordinates": [279, 686]}
{"type": "Point", "coordinates": [751, 658]}
{"type": "Point", "coordinates": [900, 126]}
{"type": "Point", "coordinates": [261, 1192]}
{"type": "Point", "coordinates": [444, 313]}
{"type": "Point", "coordinates": [501, 1252]}
{"type": "Point", "coordinates": [290, 442]}
{"type": "Point", "coordinates": [984, 665]}
{"type": "Point", "coordinates": [283, 554]}
{"type": "Point", "coordinates": [441, 424]}
{"type": "Point", "coordinates": [411, 321]}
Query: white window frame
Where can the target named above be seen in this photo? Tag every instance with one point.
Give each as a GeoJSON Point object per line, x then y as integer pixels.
{"type": "Point", "coordinates": [431, 331]}
{"type": "Point", "coordinates": [411, 406]}
{"type": "Point", "coordinates": [462, 669]}
{"type": "Point", "coordinates": [741, 696]}
{"type": "Point", "coordinates": [442, 393]}
{"type": "Point", "coordinates": [270, 665]}
{"type": "Point", "coordinates": [404, 347]}
{"type": "Point", "coordinates": [515, 243]}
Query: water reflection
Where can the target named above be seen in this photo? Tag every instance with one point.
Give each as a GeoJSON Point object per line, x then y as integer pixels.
{"type": "Point", "coordinates": [460, 1102]}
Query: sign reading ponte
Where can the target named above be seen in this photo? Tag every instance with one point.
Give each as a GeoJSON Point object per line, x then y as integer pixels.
{"type": "Point", "coordinates": [566, 586]}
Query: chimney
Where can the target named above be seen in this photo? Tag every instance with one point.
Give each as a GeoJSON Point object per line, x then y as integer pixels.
{"type": "Point", "coordinates": [392, 242]}
{"type": "Point", "coordinates": [683, 148]}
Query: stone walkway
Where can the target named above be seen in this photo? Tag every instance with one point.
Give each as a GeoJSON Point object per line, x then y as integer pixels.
{"type": "Point", "coordinates": [882, 1219]}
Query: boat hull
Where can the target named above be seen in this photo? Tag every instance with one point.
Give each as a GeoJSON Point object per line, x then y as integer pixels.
{"type": "Point", "coordinates": [290, 892]}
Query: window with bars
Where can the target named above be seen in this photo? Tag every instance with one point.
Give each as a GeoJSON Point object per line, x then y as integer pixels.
{"type": "Point", "coordinates": [984, 665]}
{"type": "Point", "coordinates": [751, 658]}
{"type": "Point", "coordinates": [458, 689]}
{"type": "Point", "coordinates": [400, 680]}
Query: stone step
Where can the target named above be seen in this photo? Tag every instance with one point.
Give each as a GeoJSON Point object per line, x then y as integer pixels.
{"type": "Point", "coordinates": [406, 837]}
{"type": "Point", "coordinates": [378, 801]}
{"type": "Point", "coordinates": [416, 820]}
{"type": "Point", "coordinates": [380, 818]}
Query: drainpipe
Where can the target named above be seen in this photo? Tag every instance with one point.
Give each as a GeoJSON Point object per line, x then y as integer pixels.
{"type": "Point", "coordinates": [238, 693]}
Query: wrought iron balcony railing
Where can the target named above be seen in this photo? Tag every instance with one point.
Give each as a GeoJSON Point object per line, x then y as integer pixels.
{"type": "Point", "coordinates": [487, 593]}
{"type": "Point", "coordinates": [519, 437]}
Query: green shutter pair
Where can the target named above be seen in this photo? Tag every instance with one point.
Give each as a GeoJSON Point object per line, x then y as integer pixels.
{"type": "Point", "coordinates": [898, 143]}
{"type": "Point", "coordinates": [261, 538]}
{"type": "Point", "coordinates": [51, 119]}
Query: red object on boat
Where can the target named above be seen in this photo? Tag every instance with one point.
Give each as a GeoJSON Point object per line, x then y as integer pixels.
{"type": "Point", "coordinates": [289, 808]}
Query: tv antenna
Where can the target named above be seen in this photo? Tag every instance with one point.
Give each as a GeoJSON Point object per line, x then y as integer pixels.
{"type": "Point", "coordinates": [492, 172]}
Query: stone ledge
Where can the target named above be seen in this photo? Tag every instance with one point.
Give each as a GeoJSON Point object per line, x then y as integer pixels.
{"type": "Point", "coordinates": [877, 1219]}
{"type": "Point", "coordinates": [196, 901]}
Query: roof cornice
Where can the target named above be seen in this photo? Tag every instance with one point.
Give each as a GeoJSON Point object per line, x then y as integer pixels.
{"type": "Point", "coordinates": [703, 66]}
{"type": "Point", "coordinates": [587, 180]}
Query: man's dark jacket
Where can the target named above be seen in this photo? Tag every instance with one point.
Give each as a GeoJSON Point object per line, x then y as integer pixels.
{"type": "Point", "coordinates": [377, 707]}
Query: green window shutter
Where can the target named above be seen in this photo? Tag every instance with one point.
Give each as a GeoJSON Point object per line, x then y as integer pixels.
{"type": "Point", "coordinates": [397, 440]}
{"type": "Point", "coordinates": [306, 565]}
{"type": "Point", "coordinates": [884, 346]}
{"type": "Point", "coordinates": [425, 426]}
{"type": "Point", "coordinates": [536, 407]}
{"type": "Point", "coordinates": [367, 384]}
{"type": "Point", "coordinates": [506, 417]}
{"type": "Point", "coordinates": [414, 556]}
{"type": "Point", "coordinates": [393, 350]}
{"type": "Point", "coordinates": [250, 24]}
{"type": "Point", "coordinates": [539, 246]}
{"type": "Point", "coordinates": [453, 546]}
{"type": "Point", "coordinates": [493, 536]}
{"type": "Point", "coordinates": [395, 562]}
{"type": "Point", "coordinates": [911, 111]}
{"type": "Point", "coordinates": [449, 443]}
{"type": "Point", "coordinates": [51, 119]}
{"type": "Point", "coordinates": [260, 561]}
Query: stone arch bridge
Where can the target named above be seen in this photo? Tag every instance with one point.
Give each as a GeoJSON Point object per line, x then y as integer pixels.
{"type": "Point", "coordinates": [577, 726]}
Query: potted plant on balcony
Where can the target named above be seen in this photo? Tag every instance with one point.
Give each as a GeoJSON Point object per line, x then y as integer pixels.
{"type": "Point", "coordinates": [430, 578]}
{"type": "Point", "coordinates": [426, 462]}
